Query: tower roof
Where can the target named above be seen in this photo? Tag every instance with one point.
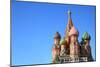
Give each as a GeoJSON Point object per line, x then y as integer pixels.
{"type": "Point", "coordinates": [73, 31]}
{"type": "Point", "coordinates": [63, 42]}
{"type": "Point", "coordinates": [86, 36]}
{"type": "Point", "coordinates": [57, 35]}
{"type": "Point", "coordinates": [69, 24]}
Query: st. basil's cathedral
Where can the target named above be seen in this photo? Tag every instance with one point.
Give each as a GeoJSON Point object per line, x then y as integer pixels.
{"type": "Point", "coordinates": [69, 49]}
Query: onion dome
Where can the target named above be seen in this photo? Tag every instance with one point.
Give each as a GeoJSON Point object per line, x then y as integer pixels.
{"type": "Point", "coordinates": [57, 36]}
{"type": "Point", "coordinates": [86, 36]}
{"type": "Point", "coordinates": [73, 31]}
{"type": "Point", "coordinates": [63, 42]}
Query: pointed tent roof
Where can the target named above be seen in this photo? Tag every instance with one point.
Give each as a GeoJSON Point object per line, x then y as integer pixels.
{"type": "Point", "coordinates": [69, 24]}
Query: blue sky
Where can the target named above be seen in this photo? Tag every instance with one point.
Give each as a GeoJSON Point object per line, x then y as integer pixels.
{"type": "Point", "coordinates": [34, 26]}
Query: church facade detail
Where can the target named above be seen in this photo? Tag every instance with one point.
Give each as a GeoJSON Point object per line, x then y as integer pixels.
{"type": "Point", "coordinates": [69, 49]}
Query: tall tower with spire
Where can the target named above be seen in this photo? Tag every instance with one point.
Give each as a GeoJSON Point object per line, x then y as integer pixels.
{"type": "Point", "coordinates": [69, 24]}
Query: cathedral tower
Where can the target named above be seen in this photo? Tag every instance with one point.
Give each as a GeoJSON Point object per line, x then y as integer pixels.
{"type": "Point", "coordinates": [69, 25]}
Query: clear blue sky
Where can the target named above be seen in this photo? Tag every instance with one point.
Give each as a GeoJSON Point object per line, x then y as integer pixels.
{"type": "Point", "coordinates": [34, 26]}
